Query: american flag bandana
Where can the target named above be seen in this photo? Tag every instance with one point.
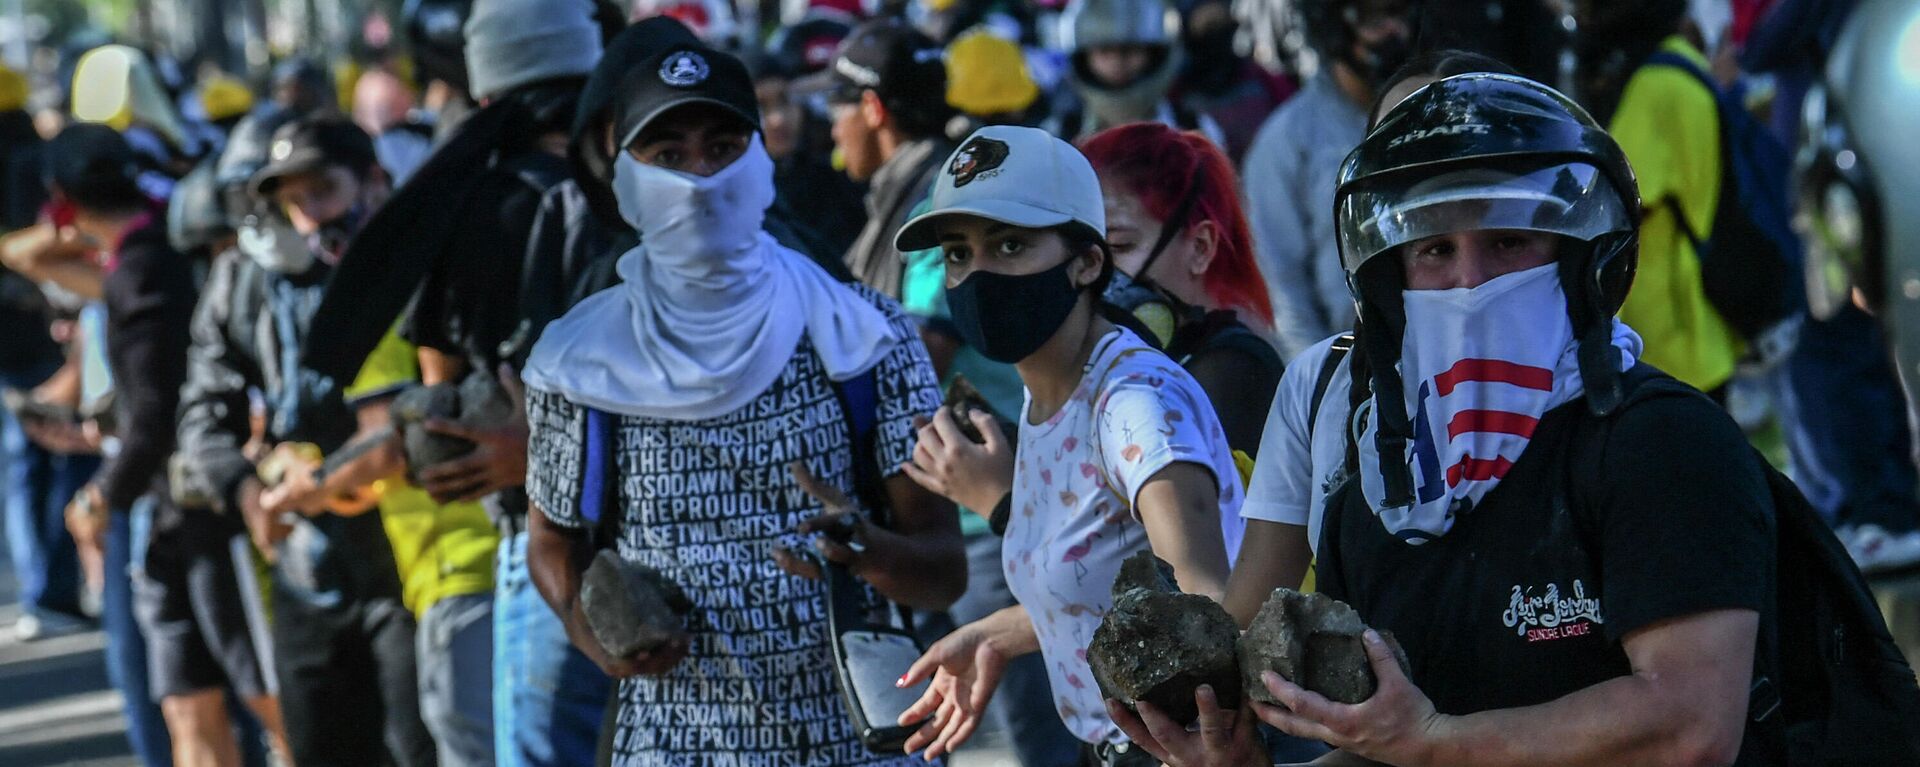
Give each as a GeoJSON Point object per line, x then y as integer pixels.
{"type": "Point", "coordinates": [1481, 366]}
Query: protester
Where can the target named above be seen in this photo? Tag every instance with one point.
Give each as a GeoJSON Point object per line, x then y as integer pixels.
{"type": "Point", "coordinates": [804, 180]}
{"type": "Point", "coordinates": [1119, 449]}
{"type": "Point", "coordinates": [1183, 264]}
{"type": "Point", "coordinates": [1122, 65]}
{"type": "Point", "coordinates": [116, 85]}
{"type": "Point", "coordinates": [1457, 242]}
{"type": "Point", "coordinates": [1669, 125]}
{"type": "Point", "coordinates": [224, 100]}
{"type": "Point", "coordinates": [21, 193]}
{"type": "Point", "coordinates": [1291, 166]}
{"type": "Point", "coordinates": [149, 296]}
{"type": "Point", "coordinates": [888, 89]}
{"type": "Point", "coordinates": [988, 81]}
{"type": "Point", "coordinates": [383, 107]}
{"type": "Point", "coordinates": [1222, 83]}
{"type": "Point", "coordinates": [343, 645]}
{"type": "Point", "coordinates": [685, 383]}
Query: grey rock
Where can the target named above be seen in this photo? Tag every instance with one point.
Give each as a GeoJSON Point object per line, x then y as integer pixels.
{"type": "Point", "coordinates": [1314, 641]}
{"type": "Point", "coordinates": [1159, 645]}
{"type": "Point", "coordinates": [478, 401]}
{"type": "Point", "coordinates": [415, 407]}
{"type": "Point", "coordinates": [629, 606]}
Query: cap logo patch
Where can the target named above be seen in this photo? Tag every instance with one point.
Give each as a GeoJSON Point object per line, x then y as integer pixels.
{"type": "Point", "coordinates": [684, 69]}
{"type": "Point", "coordinates": [861, 76]}
{"type": "Point", "coordinates": [282, 149]}
{"type": "Point", "coordinates": [980, 158]}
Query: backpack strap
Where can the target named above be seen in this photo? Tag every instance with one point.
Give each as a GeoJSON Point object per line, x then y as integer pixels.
{"type": "Point", "coordinates": [859, 398]}
{"type": "Point", "coordinates": [1336, 354]}
{"type": "Point", "coordinates": [1587, 439]}
{"type": "Point", "coordinates": [599, 482]}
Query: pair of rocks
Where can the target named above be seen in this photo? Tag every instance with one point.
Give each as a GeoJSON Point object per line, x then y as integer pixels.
{"type": "Point", "coordinates": [1159, 645]}
{"type": "Point", "coordinates": [478, 401]}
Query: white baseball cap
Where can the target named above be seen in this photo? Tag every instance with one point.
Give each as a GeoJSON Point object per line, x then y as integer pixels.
{"type": "Point", "coordinates": [1020, 176]}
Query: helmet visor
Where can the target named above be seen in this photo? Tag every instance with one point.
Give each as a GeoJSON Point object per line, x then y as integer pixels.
{"type": "Point", "coordinates": [1570, 199]}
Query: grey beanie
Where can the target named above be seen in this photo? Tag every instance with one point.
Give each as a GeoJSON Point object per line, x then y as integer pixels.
{"type": "Point", "coordinates": [511, 43]}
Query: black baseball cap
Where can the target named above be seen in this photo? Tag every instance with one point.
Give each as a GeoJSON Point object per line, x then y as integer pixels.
{"type": "Point", "coordinates": [907, 69]}
{"type": "Point", "coordinates": [309, 143]}
{"type": "Point", "coordinates": [94, 166]}
{"type": "Point", "coordinates": [677, 76]}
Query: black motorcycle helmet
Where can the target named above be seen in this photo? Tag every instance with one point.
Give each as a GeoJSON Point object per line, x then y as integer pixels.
{"type": "Point", "coordinates": [246, 152]}
{"type": "Point", "coordinates": [1484, 151]}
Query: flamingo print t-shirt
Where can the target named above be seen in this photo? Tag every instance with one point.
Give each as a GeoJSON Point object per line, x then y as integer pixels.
{"type": "Point", "coordinates": [1074, 486]}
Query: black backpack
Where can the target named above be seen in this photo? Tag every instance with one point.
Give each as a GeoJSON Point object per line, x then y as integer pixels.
{"type": "Point", "coordinates": [1750, 268]}
{"type": "Point", "coordinates": [1842, 692]}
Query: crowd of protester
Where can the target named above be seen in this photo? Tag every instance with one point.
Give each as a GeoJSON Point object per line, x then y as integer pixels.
{"type": "Point", "coordinates": [702, 278]}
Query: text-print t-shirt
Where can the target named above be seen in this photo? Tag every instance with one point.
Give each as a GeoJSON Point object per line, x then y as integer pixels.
{"type": "Point", "coordinates": [704, 502]}
{"type": "Point", "coordinates": [1074, 485]}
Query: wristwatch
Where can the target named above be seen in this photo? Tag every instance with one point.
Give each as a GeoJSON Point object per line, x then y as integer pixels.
{"type": "Point", "coordinates": [997, 521]}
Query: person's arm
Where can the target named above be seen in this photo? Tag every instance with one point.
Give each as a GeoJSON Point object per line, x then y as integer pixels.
{"type": "Point", "coordinates": [1282, 237]}
{"type": "Point", "coordinates": [149, 308]}
{"type": "Point", "coordinates": [43, 253]}
{"type": "Point", "coordinates": [556, 558]}
{"type": "Point", "coordinates": [965, 667]}
{"type": "Point", "coordinates": [214, 412]}
{"type": "Point", "coordinates": [1180, 508]}
{"type": "Point", "coordinates": [1684, 704]}
{"type": "Point", "coordinates": [1159, 450]}
{"type": "Point", "coordinates": [1272, 555]}
{"type": "Point", "coordinates": [345, 489]}
{"type": "Point", "coordinates": [917, 558]}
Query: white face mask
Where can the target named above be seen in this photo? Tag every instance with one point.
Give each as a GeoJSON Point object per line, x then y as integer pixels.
{"type": "Point", "coordinates": [684, 219]}
{"type": "Point", "coordinates": [1480, 365]}
{"type": "Point", "coordinates": [275, 247]}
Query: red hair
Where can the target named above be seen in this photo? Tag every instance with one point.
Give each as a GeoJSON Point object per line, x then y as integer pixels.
{"type": "Point", "coordinates": [1157, 163]}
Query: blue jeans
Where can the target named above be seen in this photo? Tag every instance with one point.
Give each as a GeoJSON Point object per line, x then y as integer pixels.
{"type": "Point", "coordinates": [548, 698]}
{"type": "Point", "coordinates": [126, 646]}
{"type": "Point", "coordinates": [39, 484]}
{"type": "Point", "coordinates": [455, 653]}
{"type": "Point", "coordinates": [1846, 419]}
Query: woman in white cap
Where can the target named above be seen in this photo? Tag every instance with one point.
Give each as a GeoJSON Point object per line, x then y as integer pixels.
{"type": "Point", "coordinates": [1119, 449]}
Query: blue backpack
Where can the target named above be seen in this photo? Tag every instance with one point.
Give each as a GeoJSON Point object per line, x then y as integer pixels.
{"type": "Point", "coordinates": [1751, 266]}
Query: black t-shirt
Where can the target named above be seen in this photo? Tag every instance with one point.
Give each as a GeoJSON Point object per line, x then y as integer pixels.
{"type": "Point", "coordinates": [1528, 597]}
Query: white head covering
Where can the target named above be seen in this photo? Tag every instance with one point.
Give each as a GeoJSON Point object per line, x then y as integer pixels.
{"type": "Point", "coordinates": [712, 307]}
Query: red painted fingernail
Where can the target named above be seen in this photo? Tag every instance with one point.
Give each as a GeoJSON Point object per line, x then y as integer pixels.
{"type": "Point", "coordinates": [901, 682]}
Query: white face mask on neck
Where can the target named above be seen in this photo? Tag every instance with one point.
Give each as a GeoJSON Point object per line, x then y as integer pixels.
{"type": "Point", "coordinates": [692, 225]}
{"type": "Point", "coordinates": [276, 247]}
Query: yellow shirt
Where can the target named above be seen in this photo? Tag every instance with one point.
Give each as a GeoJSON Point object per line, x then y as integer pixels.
{"type": "Point", "coordinates": [442, 551]}
{"type": "Point", "coordinates": [1669, 126]}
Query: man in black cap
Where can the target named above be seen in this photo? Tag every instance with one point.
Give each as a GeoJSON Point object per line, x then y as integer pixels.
{"type": "Point", "coordinates": [887, 87]}
{"type": "Point", "coordinates": [343, 642]}
{"type": "Point", "coordinates": [717, 357]}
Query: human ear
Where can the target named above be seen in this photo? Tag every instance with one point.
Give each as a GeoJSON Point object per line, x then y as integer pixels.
{"type": "Point", "coordinates": [1206, 244]}
{"type": "Point", "coordinates": [873, 112]}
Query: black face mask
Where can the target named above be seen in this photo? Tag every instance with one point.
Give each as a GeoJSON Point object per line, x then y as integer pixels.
{"type": "Point", "coordinates": [329, 242]}
{"type": "Point", "coordinates": [1385, 58]}
{"type": "Point", "coordinates": [1008, 317]}
{"type": "Point", "coordinates": [1210, 54]}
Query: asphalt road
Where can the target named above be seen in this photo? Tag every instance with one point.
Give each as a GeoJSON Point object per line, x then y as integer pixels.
{"type": "Point", "coordinates": [56, 707]}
